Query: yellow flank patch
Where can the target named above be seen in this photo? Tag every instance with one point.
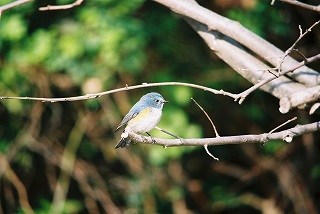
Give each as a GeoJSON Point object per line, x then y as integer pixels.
{"type": "Point", "coordinates": [141, 115]}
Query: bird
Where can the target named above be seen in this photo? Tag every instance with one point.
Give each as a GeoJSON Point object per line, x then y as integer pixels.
{"type": "Point", "coordinates": [142, 117]}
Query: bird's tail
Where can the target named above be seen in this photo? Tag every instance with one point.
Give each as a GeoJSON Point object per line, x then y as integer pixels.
{"type": "Point", "coordinates": [124, 141]}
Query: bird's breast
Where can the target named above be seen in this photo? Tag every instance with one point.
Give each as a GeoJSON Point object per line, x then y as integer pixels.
{"type": "Point", "coordinates": [146, 120]}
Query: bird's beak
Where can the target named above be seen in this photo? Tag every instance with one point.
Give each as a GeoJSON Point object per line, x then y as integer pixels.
{"type": "Point", "coordinates": [165, 101]}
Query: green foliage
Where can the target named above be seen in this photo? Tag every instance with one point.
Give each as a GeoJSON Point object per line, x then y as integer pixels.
{"type": "Point", "coordinates": [182, 95]}
{"type": "Point", "coordinates": [71, 206]}
{"type": "Point", "coordinates": [223, 198]}
{"type": "Point", "coordinates": [159, 156]}
{"type": "Point", "coordinates": [315, 173]}
{"type": "Point", "coordinates": [259, 19]}
{"type": "Point", "coordinates": [273, 147]}
{"type": "Point", "coordinates": [12, 28]}
{"type": "Point", "coordinates": [4, 146]}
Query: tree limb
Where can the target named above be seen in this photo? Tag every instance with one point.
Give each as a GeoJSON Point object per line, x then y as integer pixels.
{"type": "Point", "coordinates": [238, 33]}
{"type": "Point", "coordinates": [286, 135]}
{"type": "Point", "coordinates": [143, 85]}
{"type": "Point", "coordinates": [12, 5]}
{"type": "Point", "coordinates": [303, 5]}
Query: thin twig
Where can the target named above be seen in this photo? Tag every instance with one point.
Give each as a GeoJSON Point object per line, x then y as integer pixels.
{"type": "Point", "coordinates": [301, 54]}
{"type": "Point", "coordinates": [12, 5]}
{"type": "Point", "coordinates": [289, 50]}
{"type": "Point", "coordinates": [303, 5]}
{"type": "Point", "coordinates": [144, 85]}
{"type": "Point", "coordinates": [208, 152]}
{"type": "Point", "coordinates": [240, 97]}
{"type": "Point", "coordinates": [213, 126]}
{"type": "Point", "coordinates": [285, 123]}
{"type": "Point", "coordinates": [61, 7]}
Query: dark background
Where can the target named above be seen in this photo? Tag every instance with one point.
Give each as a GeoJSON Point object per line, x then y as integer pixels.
{"type": "Point", "coordinates": [60, 157]}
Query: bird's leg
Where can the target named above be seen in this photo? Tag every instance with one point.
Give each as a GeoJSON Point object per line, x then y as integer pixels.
{"type": "Point", "coordinates": [153, 140]}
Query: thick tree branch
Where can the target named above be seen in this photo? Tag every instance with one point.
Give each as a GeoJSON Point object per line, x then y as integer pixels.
{"type": "Point", "coordinates": [235, 31]}
{"type": "Point", "coordinates": [286, 135]}
{"type": "Point", "coordinates": [223, 36]}
{"type": "Point", "coordinates": [237, 57]}
{"type": "Point", "coordinates": [314, 97]}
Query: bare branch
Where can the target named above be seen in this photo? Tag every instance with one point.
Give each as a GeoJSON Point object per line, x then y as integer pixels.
{"type": "Point", "coordinates": [16, 182]}
{"type": "Point", "coordinates": [287, 100]}
{"type": "Point", "coordinates": [289, 50]}
{"type": "Point", "coordinates": [244, 94]}
{"type": "Point", "coordinates": [212, 124]}
{"type": "Point", "coordinates": [208, 152]}
{"type": "Point", "coordinates": [303, 5]}
{"type": "Point", "coordinates": [314, 107]}
{"type": "Point", "coordinates": [144, 85]}
{"type": "Point", "coordinates": [299, 99]}
{"type": "Point", "coordinates": [12, 5]}
{"type": "Point", "coordinates": [237, 57]}
{"type": "Point", "coordinates": [231, 29]}
{"type": "Point", "coordinates": [286, 135]}
{"type": "Point", "coordinates": [281, 125]}
{"type": "Point", "coordinates": [61, 7]}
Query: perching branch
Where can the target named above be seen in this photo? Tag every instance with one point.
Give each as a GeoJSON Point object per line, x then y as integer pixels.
{"type": "Point", "coordinates": [286, 135]}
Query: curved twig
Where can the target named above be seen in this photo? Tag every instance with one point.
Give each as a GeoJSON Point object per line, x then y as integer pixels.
{"type": "Point", "coordinates": [143, 85]}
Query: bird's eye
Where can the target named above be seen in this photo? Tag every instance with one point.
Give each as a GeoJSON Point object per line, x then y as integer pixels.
{"type": "Point", "coordinates": [157, 101]}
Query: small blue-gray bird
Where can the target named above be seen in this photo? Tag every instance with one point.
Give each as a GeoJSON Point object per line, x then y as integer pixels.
{"type": "Point", "coordinates": [142, 117]}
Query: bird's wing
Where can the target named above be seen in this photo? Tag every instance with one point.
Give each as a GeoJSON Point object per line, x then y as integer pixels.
{"type": "Point", "coordinates": [126, 119]}
{"type": "Point", "coordinates": [134, 111]}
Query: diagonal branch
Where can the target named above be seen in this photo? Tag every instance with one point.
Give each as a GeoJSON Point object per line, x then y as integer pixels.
{"type": "Point", "coordinates": [244, 94]}
{"type": "Point", "coordinates": [12, 5]}
{"type": "Point", "coordinates": [303, 5]}
{"type": "Point", "coordinates": [234, 55]}
{"type": "Point", "coordinates": [290, 49]}
{"type": "Point", "coordinates": [61, 7]}
{"type": "Point", "coordinates": [239, 34]}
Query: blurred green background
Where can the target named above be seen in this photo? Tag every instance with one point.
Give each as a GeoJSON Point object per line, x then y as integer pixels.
{"type": "Point", "coordinates": [60, 157]}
